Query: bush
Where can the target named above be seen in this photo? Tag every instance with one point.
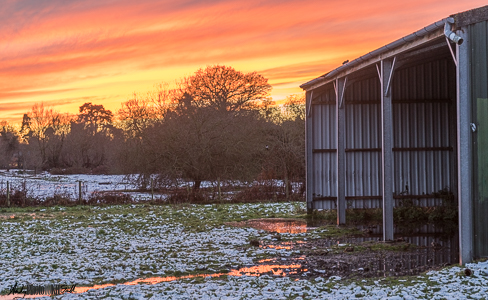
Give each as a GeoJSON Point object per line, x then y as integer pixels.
{"type": "Point", "coordinates": [259, 192]}
{"type": "Point", "coordinates": [408, 212]}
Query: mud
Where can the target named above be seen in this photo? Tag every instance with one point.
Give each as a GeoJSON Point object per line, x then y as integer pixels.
{"type": "Point", "coordinates": [414, 251]}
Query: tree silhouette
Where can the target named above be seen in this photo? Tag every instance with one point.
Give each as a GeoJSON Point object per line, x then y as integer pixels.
{"type": "Point", "coordinates": [94, 116]}
{"type": "Point", "coordinates": [226, 89]}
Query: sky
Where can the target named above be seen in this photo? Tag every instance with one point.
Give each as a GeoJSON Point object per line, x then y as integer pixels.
{"type": "Point", "coordinates": [66, 53]}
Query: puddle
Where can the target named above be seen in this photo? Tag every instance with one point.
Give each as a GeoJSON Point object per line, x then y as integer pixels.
{"type": "Point", "coordinates": [279, 225]}
{"type": "Point", "coordinates": [18, 215]}
{"type": "Point", "coordinates": [283, 245]}
{"type": "Point", "coordinates": [424, 248]}
{"type": "Point", "coordinates": [415, 250]}
{"type": "Point", "coordinates": [278, 270]}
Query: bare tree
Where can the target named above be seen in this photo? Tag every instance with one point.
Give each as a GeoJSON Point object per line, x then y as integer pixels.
{"type": "Point", "coordinates": [95, 117]}
{"type": "Point", "coordinates": [226, 89]}
{"type": "Point", "coordinates": [9, 145]}
{"type": "Point", "coordinates": [89, 139]}
{"type": "Point", "coordinates": [46, 132]}
{"type": "Point", "coordinates": [286, 141]}
{"type": "Point", "coordinates": [136, 114]}
{"type": "Point", "coordinates": [207, 144]}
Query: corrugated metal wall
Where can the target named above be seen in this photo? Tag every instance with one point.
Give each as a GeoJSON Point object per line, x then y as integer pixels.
{"type": "Point", "coordinates": [423, 106]}
{"type": "Point", "coordinates": [363, 143]}
{"type": "Point", "coordinates": [423, 96]}
{"type": "Point", "coordinates": [324, 149]}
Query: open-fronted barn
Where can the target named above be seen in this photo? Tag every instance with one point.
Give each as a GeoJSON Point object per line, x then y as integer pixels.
{"type": "Point", "coordinates": [408, 120]}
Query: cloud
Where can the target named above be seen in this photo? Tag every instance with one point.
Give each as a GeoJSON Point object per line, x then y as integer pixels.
{"type": "Point", "coordinates": [73, 46]}
{"type": "Point", "coordinates": [22, 94]}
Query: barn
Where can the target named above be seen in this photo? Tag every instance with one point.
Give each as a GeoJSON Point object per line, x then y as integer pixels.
{"type": "Point", "coordinates": [409, 119]}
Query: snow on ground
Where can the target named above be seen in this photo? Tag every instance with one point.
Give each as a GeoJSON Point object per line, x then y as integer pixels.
{"type": "Point", "coordinates": [446, 284]}
{"type": "Point", "coordinates": [46, 185]}
{"type": "Point", "coordinates": [97, 245]}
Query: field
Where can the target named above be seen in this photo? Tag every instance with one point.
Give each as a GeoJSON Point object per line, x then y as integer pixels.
{"type": "Point", "coordinates": [45, 185]}
{"type": "Point", "coordinates": [192, 252]}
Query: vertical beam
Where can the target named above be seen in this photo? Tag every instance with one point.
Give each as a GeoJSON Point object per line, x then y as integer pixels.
{"type": "Point", "coordinates": [80, 197]}
{"type": "Point", "coordinates": [8, 194]}
{"type": "Point", "coordinates": [464, 154]}
{"type": "Point", "coordinates": [308, 152]}
{"type": "Point", "coordinates": [341, 151]}
{"type": "Point", "coordinates": [386, 149]}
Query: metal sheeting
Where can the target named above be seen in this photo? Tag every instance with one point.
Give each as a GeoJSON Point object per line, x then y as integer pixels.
{"type": "Point", "coordinates": [423, 107]}
{"type": "Point", "coordinates": [323, 147]}
{"type": "Point", "coordinates": [363, 143]}
{"type": "Point", "coordinates": [422, 145]}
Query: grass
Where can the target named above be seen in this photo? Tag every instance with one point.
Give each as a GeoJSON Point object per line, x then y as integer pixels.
{"type": "Point", "coordinates": [106, 226]}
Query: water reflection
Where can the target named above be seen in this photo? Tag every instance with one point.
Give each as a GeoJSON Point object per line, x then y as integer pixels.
{"type": "Point", "coordinates": [283, 245]}
{"type": "Point", "coordinates": [270, 269]}
{"type": "Point", "coordinates": [279, 225]}
{"type": "Point", "coordinates": [414, 251]}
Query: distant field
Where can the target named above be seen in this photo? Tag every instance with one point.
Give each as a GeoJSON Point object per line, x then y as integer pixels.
{"type": "Point", "coordinates": [44, 185]}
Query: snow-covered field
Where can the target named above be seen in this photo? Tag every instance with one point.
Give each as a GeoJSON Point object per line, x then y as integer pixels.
{"type": "Point", "coordinates": [114, 245]}
{"type": "Point", "coordinates": [46, 185]}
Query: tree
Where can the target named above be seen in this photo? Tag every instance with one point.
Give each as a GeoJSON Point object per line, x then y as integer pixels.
{"type": "Point", "coordinates": [140, 112]}
{"type": "Point", "coordinates": [88, 141]}
{"type": "Point", "coordinates": [226, 89]}
{"type": "Point", "coordinates": [94, 116]}
{"type": "Point", "coordinates": [206, 144]}
{"type": "Point", "coordinates": [294, 108]}
{"type": "Point", "coordinates": [9, 145]}
{"type": "Point", "coordinates": [136, 114]}
{"type": "Point", "coordinates": [286, 141]}
{"type": "Point", "coordinates": [46, 132]}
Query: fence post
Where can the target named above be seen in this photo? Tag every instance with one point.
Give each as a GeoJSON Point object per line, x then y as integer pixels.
{"type": "Point", "coordinates": [220, 194]}
{"type": "Point", "coordinates": [287, 194]}
{"type": "Point", "coordinates": [8, 194]}
{"type": "Point", "coordinates": [152, 190]}
{"type": "Point", "coordinates": [80, 198]}
{"type": "Point", "coordinates": [24, 190]}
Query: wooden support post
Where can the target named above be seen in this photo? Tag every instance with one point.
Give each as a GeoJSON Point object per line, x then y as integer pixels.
{"type": "Point", "coordinates": [386, 149]}
{"type": "Point", "coordinates": [219, 190]}
{"type": "Point", "coordinates": [152, 189]}
{"type": "Point", "coordinates": [341, 151]}
{"type": "Point", "coordinates": [287, 194]}
{"type": "Point", "coordinates": [80, 197]}
{"type": "Point", "coordinates": [8, 194]}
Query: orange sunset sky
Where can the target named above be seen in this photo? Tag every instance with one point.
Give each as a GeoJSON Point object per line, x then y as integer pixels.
{"type": "Point", "coordinates": [66, 53]}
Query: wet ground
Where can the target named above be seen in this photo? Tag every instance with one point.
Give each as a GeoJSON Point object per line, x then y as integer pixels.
{"type": "Point", "coordinates": [358, 255]}
{"type": "Point", "coordinates": [361, 254]}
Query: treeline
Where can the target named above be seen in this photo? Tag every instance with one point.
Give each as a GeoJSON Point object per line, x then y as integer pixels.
{"type": "Point", "coordinates": [216, 125]}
